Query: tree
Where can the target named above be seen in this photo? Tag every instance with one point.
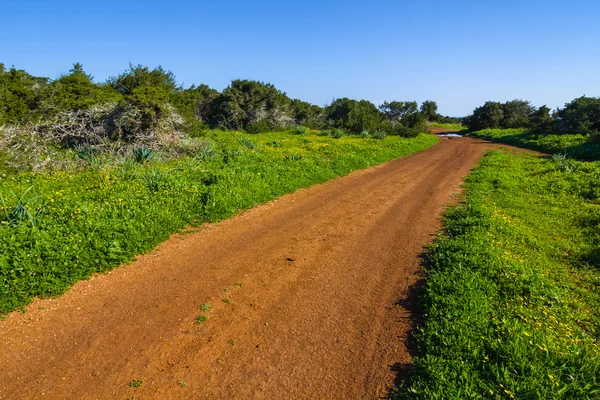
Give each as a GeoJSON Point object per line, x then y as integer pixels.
{"type": "Point", "coordinates": [541, 120]}
{"type": "Point", "coordinates": [146, 91]}
{"type": "Point", "coordinates": [516, 114]}
{"type": "Point", "coordinates": [76, 91]}
{"type": "Point", "coordinates": [353, 115]}
{"type": "Point", "coordinates": [429, 110]}
{"type": "Point", "coordinates": [307, 114]}
{"type": "Point", "coordinates": [251, 105]}
{"type": "Point", "coordinates": [194, 102]}
{"type": "Point", "coordinates": [582, 115]}
{"type": "Point", "coordinates": [399, 111]}
{"type": "Point", "coordinates": [20, 95]}
{"type": "Point", "coordinates": [487, 116]}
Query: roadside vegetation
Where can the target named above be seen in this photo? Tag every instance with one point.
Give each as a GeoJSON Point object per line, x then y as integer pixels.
{"type": "Point", "coordinates": [59, 227]}
{"type": "Point", "coordinates": [511, 302]}
{"type": "Point", "coordinates": [454, 126]}
{"type": "Point", "coordinates": [576, 146]}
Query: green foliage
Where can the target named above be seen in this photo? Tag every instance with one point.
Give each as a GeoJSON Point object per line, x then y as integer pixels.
{"type": "Point", "coordinates": [581, 115]}
{"type": "Point", "coordinates": [453, 126]}
{"type": "Point", "coordinates": [99, 218]}
{"type": "Point", "coordinates": [194, 102]}
{"type": "Point", "coordinates": [252, 106]}
{"type": "Point", "coordinates": [76, 91]}
{"type": "Point", "coordinates": [402, 118]}
{"type": "Point", "coordinates": [487, 116]}
{"type": "Point", "coordinates": [574, 145]}
{"type": "Point", "coordinates": [20, 95]}
{"type": "Point", "coordinates": [516, 114]}
{"type": "Point", "coordinates": [136, 383]}
{"type": "Point", "coordinates": [541, 120]}
{"type": "Point", "coordinates": [299, 130]}
{"type": "Point", "coordinates": [307, 114]}
{"type": "Point", "coordinates": [143, 155]}
{"type": "Point", "coordinates": [23, 210]}
{"type": "Point", "coordinates": [353, 115]}
{"type": "Point", "coordinates": [511, 304]}
{"type": "Point", "coordinates": [429, 110]}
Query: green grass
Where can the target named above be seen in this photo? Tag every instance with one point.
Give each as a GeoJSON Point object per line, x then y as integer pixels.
{"type": "Point", "coordinates": [457, 127]}
{"type": "Point", "coordinates": [94, 220]}
{"type": "Point", "coordinates": [511, 304]}
{"type": "Point", "coordinates": [572, 145]}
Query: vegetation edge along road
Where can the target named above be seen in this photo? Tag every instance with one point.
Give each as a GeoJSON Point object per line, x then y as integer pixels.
{"type": "Point", "coordinates": [78, 224]}
{"type": "Point", "coordinates": [511, 301]}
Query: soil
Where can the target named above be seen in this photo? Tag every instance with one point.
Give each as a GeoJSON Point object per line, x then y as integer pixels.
{"type": "Point", "coordinates": [311, 295]}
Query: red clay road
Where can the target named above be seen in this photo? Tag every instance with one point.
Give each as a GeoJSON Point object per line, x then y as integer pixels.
{"type": "Point", "coordinates": [315, 286]}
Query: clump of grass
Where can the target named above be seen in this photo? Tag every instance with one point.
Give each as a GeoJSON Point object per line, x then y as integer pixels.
{"type": "Point", "coordinates": [247, 143]}
{"type": "Point", "coordinates": [299, 130]}
{"type": "Point", "coordinates": [136, 383]}
{"type": "Point", "coordinates": [226, 300]}
{"type": "Point", "coordinates": [23, 210]}
{"type": "Point", "coordinates": [274, 143]}
{"type": "Point", "coordinates": [337, 133]}
{"type": "Point", "coordinates": [200, 319]}
{"type": "Point", "coordinates": [293, 157]}
{"type": "Point", "coordinates": [156, 179]}
{"type": "Point", "coordinates": [238, 284]}
{"type": "Point", "coordinates": [205, 307]}
{"type": "Point", "coordinates": [143, 155]}
{"type": "Point", "coordinates": [379, 135]}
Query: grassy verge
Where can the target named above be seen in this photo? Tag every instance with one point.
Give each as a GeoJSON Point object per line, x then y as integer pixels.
{"type": "Point", "coordinates": [512, 299]}
{"type": "Point", "coordinates": [69, 226]}
{"type": "Point", "coordinates": [573, 146]}
{"type": "Point", "coordinates": [457, 127]}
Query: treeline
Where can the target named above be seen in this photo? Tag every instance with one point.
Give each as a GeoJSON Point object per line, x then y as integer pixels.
{"type": "Point", "coordinates": [143, 99]}
{"type": "Point", "coordinates": [582, 115]}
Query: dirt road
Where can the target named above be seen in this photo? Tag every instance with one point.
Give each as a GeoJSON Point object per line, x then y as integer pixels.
{"type": "Point", "coordinates": [314, 287]}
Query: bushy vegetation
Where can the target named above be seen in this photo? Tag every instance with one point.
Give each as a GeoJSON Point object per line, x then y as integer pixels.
{"type": "Point", "coordinates": [570, 145]}
{"type": "Point", "coordinates": [511, 303]}
{"type": "Point", "coordinates": [582, 116]}
{"type": "Point", "coordinates": [57, 228]}
{"type": "Point", "coordinates": [149, 96]}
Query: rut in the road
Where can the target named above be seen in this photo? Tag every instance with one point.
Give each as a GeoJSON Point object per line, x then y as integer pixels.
{"type": "Point", "coordinates": [315, 282]}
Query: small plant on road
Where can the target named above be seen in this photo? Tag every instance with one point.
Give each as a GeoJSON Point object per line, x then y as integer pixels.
{"type": "Point", "coordinates": [201, 319]}
{"type": "Point", "coordinates": [136, 383]}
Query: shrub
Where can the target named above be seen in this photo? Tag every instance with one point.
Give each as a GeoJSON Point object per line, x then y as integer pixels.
{"type": "Point", "coordinates": [582, 115]}
{"type": "Point", "coordinates": [143, 155]}
{"type": "Point", "coordinates": [299, 130]}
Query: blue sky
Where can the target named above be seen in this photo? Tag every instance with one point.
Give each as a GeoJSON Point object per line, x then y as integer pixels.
{"type": "Point", "coordinates": [458, 53]}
